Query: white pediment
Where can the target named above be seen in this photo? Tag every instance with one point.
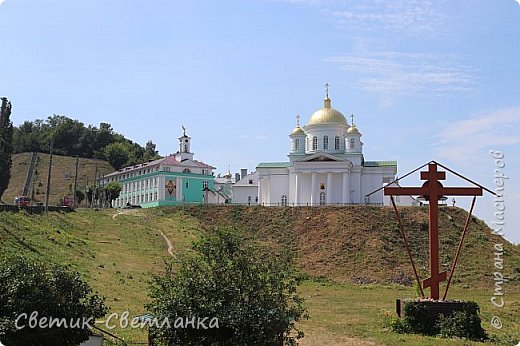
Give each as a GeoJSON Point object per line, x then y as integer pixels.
{"type": "Point", "coordinates": [320, 157]}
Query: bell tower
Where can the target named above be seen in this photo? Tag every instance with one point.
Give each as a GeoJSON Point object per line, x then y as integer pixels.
{"type": "Point", "coordinates": [184, 146]}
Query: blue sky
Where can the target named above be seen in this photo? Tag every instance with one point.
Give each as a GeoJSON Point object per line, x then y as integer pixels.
{"type": "Point", "coordinates": [426, 79]}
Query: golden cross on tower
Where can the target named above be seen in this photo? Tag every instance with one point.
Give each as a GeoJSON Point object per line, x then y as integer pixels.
{"type": "Point", "coordinates": [297, 120]}
{"type": "Point", "coordinates": [327, 86]}
{"type": "Point", "coordinates": [352, 117]}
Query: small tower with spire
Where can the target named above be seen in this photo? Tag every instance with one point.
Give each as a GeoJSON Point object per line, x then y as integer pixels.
{"type": "Point", "coordinates": [353, 144]}
{"type": "Point", "coordinates": [297, 137]}
{"type": "Point", "coordinates": [184, 152]}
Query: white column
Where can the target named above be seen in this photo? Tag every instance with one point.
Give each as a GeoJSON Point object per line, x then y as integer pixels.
{"type": "Point", "coordinates": [346, 188]}
{"type": "Point", "coordinates": [296, 188]}
{"type": "Point", "coordinates": [329, 188]}
{"type": "Point", "coordinates": [313, 188]}
{"type": "Point", "coordinates": [260, 200]}
{"type": "Point", "coordinates": [178, 192]}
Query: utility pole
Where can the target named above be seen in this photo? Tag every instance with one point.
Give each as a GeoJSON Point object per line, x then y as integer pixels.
{"type": "Point", "coordinates": [94, 190]}
{"type": "Point", "coordinates": [75, 183]}
{"type": "Point", "coordinates": [49, 179]}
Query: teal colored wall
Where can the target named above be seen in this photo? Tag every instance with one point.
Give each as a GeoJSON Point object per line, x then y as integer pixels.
{"type": "Point", "coordinates": [193, 192]}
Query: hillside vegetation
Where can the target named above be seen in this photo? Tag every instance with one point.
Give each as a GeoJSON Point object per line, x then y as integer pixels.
{"type": "Point", "coordinates": [71, 137]}
{"type": "Point", "coordinates": [62, 182]}
{"type": "Point", "coordinates": [353, 257]}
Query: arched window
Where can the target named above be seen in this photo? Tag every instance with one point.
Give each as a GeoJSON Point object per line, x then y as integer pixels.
{"type": "Point", "coordinates": [352, 143]}
{"type": "Point", "coordinates": [315, 143]}
{"type": "Point", "coordinates": [323, 198]}
{"type": "Point", "coordinates": [336, 143]}
{"type": "Point", "coordinates": [326, 142]}
{"type": "Point", "coordinates": [297, 144]}
{"type": "Point", "coordinates": [186, 170]}
{"type": "Point", "coordinates": [284, 200]}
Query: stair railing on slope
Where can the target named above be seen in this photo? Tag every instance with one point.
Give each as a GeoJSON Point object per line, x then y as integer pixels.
{"type": "Point", "coordinates": [30, 174]}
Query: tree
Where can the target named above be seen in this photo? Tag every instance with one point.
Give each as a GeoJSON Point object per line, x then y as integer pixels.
{"type": "Point", "coordinates": [51, 291]}
{"type": "Point", "coordinates": [117, 154]}
{"type": "Point", "coordinates": [251, 290]}
{"type": "Point", "coordinates": [112, 191]}
{"type": "Point", "coordinates": [6, 145]}
{"type": "Point", "coordinates": [80, 196]}
{"type": "Point", "coordinates": [150, 152]}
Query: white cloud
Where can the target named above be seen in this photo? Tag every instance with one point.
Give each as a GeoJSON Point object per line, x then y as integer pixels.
{"type": "Point", "coordinates": [518, 2]}
{"type": "Point", "coordinates": [466, 139]}
{"type": "Point", "coordinates": [409, 17]}
{"type": "Point", "coordinates": [1, 2]}
{"type": "Point", "coordinates": [398, 73]}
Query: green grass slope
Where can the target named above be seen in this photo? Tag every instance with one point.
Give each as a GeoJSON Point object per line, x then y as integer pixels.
{"type": "Point", "coordinates": [62, 177]}
{"type": "Point", "coordinates": [338, 248]}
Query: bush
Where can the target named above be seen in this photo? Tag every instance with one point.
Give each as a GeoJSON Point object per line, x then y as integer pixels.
{"type": "Point", "coordinates": [251, 290]}
{"type": "Point", "coordinates": [28, 287]}
{"type": "Point", "coordinates": [420, 318]}
{"type": "Point", "coordinates": [417, 319]}
{"type": "Point", "coordinates": [462, 324]}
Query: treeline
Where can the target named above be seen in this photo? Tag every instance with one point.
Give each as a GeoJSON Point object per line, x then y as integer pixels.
{"type": "Point", "coordinates": [71, 137]}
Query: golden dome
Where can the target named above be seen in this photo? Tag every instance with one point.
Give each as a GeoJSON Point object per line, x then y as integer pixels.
{"type": "Point", "coordinates": [327, 115]}
{"type": "Point", "coordinates": [353, 129]}
{"type": "Point", "coordinates": [297, 131]}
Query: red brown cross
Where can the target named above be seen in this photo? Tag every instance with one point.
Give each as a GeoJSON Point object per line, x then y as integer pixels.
{"type": "Point", "coordinates": [432, 190]}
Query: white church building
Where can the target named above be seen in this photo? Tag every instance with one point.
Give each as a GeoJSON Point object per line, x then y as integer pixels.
{"type": "Point", "coordinates": [326, 166]}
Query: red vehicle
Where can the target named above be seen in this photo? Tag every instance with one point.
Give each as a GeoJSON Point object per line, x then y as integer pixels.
{"type": "Point", "coordinates": [22, 201]}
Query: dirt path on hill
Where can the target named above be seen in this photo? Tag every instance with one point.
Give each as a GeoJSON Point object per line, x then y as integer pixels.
{"type": "Point", "coordinates": [169, 243]}
{"type": "Point", "coordinates": [310, 340]}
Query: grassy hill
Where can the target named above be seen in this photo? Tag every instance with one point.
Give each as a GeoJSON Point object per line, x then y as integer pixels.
{"type": "Point", "coordinates": [62, 178]}
{"type": "Point", "coordinates": [353, 257]}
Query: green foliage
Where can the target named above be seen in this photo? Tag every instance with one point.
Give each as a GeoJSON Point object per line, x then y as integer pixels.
{"type": "Point", "coordinates": [71, 137]}
{"type": "Point", "coordinates": [463, 324]}
{"type": "Point", "coordinates": [117, 154]}
{"type": "Point", "coordinates": [250, 289]}
{"type": "Point", "coordinates": [6, 145]}
{"type": "Point", "coordinates": [419, 319]}
{"type": "Point", "coordinates": [112, 191]}
{"type": "Point", "coordinates": [80, 196]}
{"type": "Point", "coordinates": [52, 292]}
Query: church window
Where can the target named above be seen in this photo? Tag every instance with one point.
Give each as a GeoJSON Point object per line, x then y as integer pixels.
{"type": "Point", "coordinates": [284, 200]}
{"type": "Point", "coordinates": [186, 170]}
{"type": "Point", "coordinates": [186, 148]}
{"type": "Point", "coordinates": [187, 184]}
{"type": "Point", "coordinates": [352, 143]}
{"type": "Point", "coordinates": [297, 144]}
{"type": "Point", "coordinates": [326, 142]}
{"type": "Point", "coordinates": [315, 143]}
{"type": "Point", "coordinates": [323, 198]}
{"type": "Point", "coordinates": [205, 184]}
{"type": "Point", "coordinates": [336, 143]}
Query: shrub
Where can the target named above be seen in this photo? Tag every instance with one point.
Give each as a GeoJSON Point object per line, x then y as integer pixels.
{"type": "Point", "coordinates": [421, 318]}
{"type": "Point", "coordinates": [251, 290]}
{"type": "Point", "coordinates": [56, 292]}
{"type": "Point", "coordinates": [463, 324]}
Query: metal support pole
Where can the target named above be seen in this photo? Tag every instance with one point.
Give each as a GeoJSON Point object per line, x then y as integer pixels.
{"type": "Point", "coordinates": [407, 246]}
{"type": "Point", "coordinates": [459, 247]}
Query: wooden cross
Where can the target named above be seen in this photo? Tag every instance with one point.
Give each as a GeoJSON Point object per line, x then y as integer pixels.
{"type": "Point", "coordinates": [432, 190]}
